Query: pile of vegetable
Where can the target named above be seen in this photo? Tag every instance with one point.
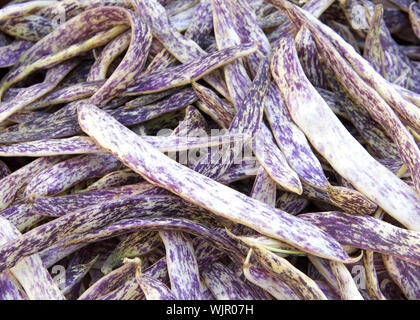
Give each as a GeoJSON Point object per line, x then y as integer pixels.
{"type": "Point", "coordinates": [210, 149]}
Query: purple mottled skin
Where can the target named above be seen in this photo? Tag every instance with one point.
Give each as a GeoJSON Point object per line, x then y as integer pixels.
{"type": "Point", "coordinates": [303, 286]}
{"type": "Point", "coordinates": [350, 200]}
{"type": "Point", "coordinates": [196, 188]}
{"type": "Point", "coordinates": [315, 8]}
{"type": "Point", "coordinates": [97, 216]}
{"type": "Point", "coordinates": [10, 184]}
{"type": "Point", "coordinates": [28, 95]}
{"type": "Point", "coordinates": [131, 245]}
{"type": "Point", "coordinates": [309, 58]}
{"type": "Point", "coordinates": [115, 179]}
{"type": "Point", "coordinates": [414, 15]}
{"type": "Point", "coordinates": [246, 25]}
{"type": "Point", "coordinates": [269, 282]}
{"type": "Point", "coordinates": [21, 216]}
{"type": "Point", "coordinates": [248, 120]}
{"type": "Point", "coordinates": [66, 174]}
{"type": "Point", "coordinates": [219, 110]}
{"type": "Point", "coordinates": [193, 124]}
{"type": "Point", "coordinates": [75, 7]}
{"type": "Point", "coordinates": [224, 284]}
{"type": "Point", "coordinates": [21, 9]}
{"type": "Point", "coordinates": [10, 288]}
{"type": "Point", "coordinates": [154, 289]}
{"type": "Point", "coordinates": [132, 64]}
{"type": "Point", "coordinates": [201, 24]}
{"type": "Point", "coordinates": [372, 282]}
{"type": "Point", "coordinates": [28, 28]}
{"type": "Point", "coordinates": [111, 51]}
{"type": "Point", "coordinates": [353, 163]}
{"type": "Point", "coordinates": [10, 54]}
{"type": "Point", "coordinates": [62, 123]}
{"type": "Point", "coordinates": [109, 281]}
{"type": "Point", "coordinates": [184, 49]}
{"type": "Point", "coordinates": [368, 233]}
{"type": "Point", "coordinates": [213, 236]}
{"type": "Point", "coordinates": [65, 94]}
{"type": "Point", "coordinates": [75, 30]}
{"type": "Point", "coordinates": [59, 206]}
{"type": "Point", "coordinates": [146, 99]}
{"type": "Point", "coordinates": [405, 274]}
{"type": "Point", "coordinates": [291, 202]}
{"type": "Point", "coordinates": [30, 272]}
{"type": "Point", "coordinates": [371, 131]}
{"type": "Point", "coordinates": [173, 102]}
{"type": "Point", "coordinates": [185, 73]}
{"type": "Point", "coordinates": [264, 188]}
{"type": "Point", "coordinates": [292, 141]}
{"type": "Point", "coordinates": [182, 265]}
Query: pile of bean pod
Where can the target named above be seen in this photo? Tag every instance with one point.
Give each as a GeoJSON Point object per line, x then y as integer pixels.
{"type": "Point", "coordinates": [210, 150]}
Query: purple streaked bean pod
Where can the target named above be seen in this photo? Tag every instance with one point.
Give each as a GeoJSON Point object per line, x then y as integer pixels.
{"type": "Point", "coordinates": [30, 272]}
{"type": "Point", "coordinates": [111, 51]}
{"type": "Point", "coordinates": [10, 54]}
{"type": "Point", "coordinates": [291, 202]}
{"type": "Point", "coordinates": [20, 9]}
{"type": "Point", "coordinates": [137, 115]}
{"type": "Point", "coordinates": [78, 267]}
{"type": "Point", "coordinates": [219, 110]}
{"type": "Point", "coordinates": [28, 95]}
{"type": "Point", "coordinates": [13, 182]}
{"type": "Point", "coordinates": [147, 99]}
{"type": "Point", "coordinates": [111, 280]}
{"type": "Point", "coordinates": [184, 49]}
{"type": "Point", "coordinates": [345, 283]}
{"type": "Point", "coordinates": [309, 59]}
{"type": "Point", "coordinates": [115, 179]}
{"type": "Point", "coordinates": [315, 8]}
{"type": "Point", "coordinates": [28, 28]}
{"type": "Point", "coordinates": [370, 130]}
{"type": "Point", "coordinates": [264, 188]}
{"type": "Point", "coordinates": [201, 24]}
{"type": "Point", "coordinates": [292, 141]}
{"type": "Point", "coordinates": [62, 205]}
{"type": "Point", "coordinates": [154, 289]}
{"type": "Point", "coordinates": [193, 124]}
{"type": "Point", "coordinates": [131, 245]}
{"type": "Point", "coordinates": [373, 51]}
{"type": "Point", "coordinates": [21, 216]}
{"type": "Point", "coordinates": [405, 274]}
{"type": "Point", "coordinates": [236, 77]}
{"type": "Point", "coordinates": [85, 145]}
{"type": "Point", "coordinates": [97, 216]}
{"type": "Point", "coordinates": [328, 135]}
{"type": "Point", "coordinates": [67, 173]}
{"type": "Point", "coordinates": [185, 73]}
{"type": "Point", "coordinates": [414, 15]}
{"type": "Point", "coordinates": [376, 101]}
{"type": "Point", "coordinates": [66, 94]}
{"type": "Point", "coordinates": [182, 265]}
{"type": "Point", "coordinates": [176, 6]}
{"type": "Point", "coordinates": [368, 233]}
{"type": "Point", "coordinates": [224, 285]}
{"type": "Point", "coordinates": [190, 185]}
{"type": "Point", "coordinates": [182, 20]}
{"type": "Point", "coordinates": [213, 236]}
{"type": "Point", "coordinates": [269, 282]}
{"type": "Point", "coordinates": [350, 200]}
{"type": "Point", "coordinates": [303, 286]}
{"type": "Point", "coordinates": [372, 282]}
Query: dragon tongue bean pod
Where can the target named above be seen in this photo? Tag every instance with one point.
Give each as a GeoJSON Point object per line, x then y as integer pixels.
{"type": "Point", "coordinates": [158, 169]}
